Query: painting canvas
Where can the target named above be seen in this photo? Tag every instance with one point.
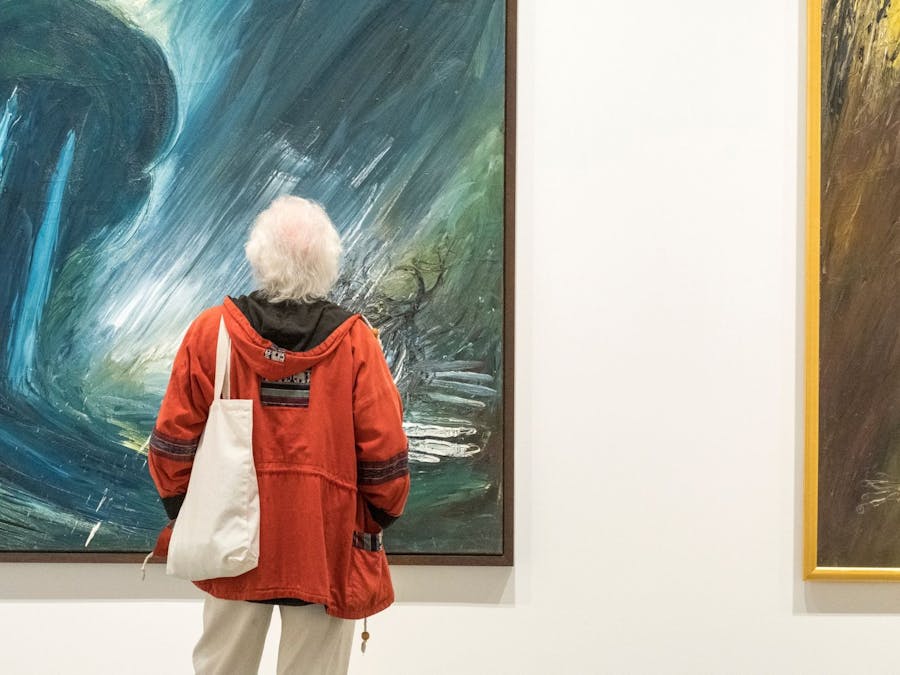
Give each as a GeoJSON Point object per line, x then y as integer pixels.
{"type": "Point", "coordinates": [853, 365]}
{"type": "Point", "coordinates": [138, 139]}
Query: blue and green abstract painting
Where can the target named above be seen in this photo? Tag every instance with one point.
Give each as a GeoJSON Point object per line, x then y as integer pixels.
{"type": "Point", "coordinates": [139, 138]}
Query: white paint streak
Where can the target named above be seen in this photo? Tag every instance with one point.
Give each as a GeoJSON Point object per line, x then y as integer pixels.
{"type": "Point", "coordinates": [465, 376]}
{"type": "Point", "coordinates": [367, 169]}
{"type": "Point", "coordinates": [435, 431]}
{"type": "Point", "coordinates": [423, 458]}
{"type": "Point", "coordinates": [464, 387]}
{"type": "Point", "coordinates": [456, 400]}
{"type": "Point", "coordinates": [437, 448]}
{"type": "Point", "coordinates": [102, 499]}
{"type": "Point", "coordinates": [93, 532]}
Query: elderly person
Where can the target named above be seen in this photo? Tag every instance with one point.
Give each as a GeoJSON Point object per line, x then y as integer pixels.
{"type": "Point", "coordinates": [328, 445]}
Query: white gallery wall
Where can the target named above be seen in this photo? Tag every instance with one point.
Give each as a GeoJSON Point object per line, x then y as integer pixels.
{"type": "Point", "coordinates": [658, 383]}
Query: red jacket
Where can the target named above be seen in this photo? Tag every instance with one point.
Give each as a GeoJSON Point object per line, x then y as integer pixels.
{"type": "Point", "coordinates": [330, 455]}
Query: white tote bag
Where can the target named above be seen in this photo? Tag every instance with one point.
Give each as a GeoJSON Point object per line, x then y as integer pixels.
{"type": "Point", "coordinates": [216, 533]}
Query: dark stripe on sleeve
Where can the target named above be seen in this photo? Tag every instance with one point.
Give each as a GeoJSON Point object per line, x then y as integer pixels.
{"type": "Point", "coordinates": [172, 505]}
{"type": "Point", "coordinates": [383, 518]}
{"type": "Point", "coordinates": [173, 448]}
{"type": "Point", "coordinates": [374, 473]}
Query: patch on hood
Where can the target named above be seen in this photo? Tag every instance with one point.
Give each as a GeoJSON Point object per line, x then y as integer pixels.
{"type": "Point", "coordinates": [280, 339]}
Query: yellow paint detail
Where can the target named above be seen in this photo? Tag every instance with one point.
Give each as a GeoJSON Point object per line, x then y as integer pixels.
{"type": "Point", "coordinates": [892, 23]}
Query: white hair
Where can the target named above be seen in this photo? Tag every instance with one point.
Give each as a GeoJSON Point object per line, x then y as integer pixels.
{"type": "Point", "coordinates": [294, 250]}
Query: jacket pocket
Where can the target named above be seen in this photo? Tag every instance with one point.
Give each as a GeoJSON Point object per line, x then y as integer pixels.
{"type": "Point", "coordinates": [369, 586]}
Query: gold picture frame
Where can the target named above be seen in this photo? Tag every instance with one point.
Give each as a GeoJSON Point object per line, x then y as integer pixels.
{"type": "Point", "coordinates": [833, 549]}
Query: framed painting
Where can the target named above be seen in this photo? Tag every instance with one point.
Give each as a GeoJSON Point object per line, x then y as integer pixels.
{"type": "Point", "coordinates": [139, 138]}
{"type": "Point", "coordinates": [852, 494]}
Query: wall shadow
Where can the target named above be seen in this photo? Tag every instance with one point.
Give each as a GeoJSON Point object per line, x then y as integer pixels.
{"type": "Point", "coordinates": [105, 581]}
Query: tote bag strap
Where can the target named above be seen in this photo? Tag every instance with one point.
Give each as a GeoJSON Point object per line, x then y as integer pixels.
{"type": "Point", "coordinates": [223, 361]}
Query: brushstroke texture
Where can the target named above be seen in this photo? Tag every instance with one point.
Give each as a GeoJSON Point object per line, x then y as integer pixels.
{"type": "Point", "coordinates": [859, 455]}
{"type": "Point", "coordinates": [389, 113]}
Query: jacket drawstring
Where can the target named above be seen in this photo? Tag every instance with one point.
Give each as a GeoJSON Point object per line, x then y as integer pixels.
{"type": "Point", "coordinates": [146, 447]}
{"type": "Point", "coordinates": [144, 566]}
{"type": "Point", "coordinates": [365, 634]}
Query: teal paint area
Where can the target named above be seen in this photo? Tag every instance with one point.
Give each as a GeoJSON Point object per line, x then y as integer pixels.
{"type": "Point", "coordinates": [23, 336]}
{"type": "Point", "coordinates": [137, 143]}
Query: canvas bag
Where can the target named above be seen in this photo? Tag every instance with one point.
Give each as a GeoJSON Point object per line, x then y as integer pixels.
{"type": "Point", "coordinates": [216, 533]}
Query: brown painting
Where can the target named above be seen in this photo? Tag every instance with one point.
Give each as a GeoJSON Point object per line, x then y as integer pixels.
{"type": "Point", "coordinates": [854, 517]}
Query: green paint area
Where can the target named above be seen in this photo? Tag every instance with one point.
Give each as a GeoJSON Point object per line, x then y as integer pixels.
{"type": "Point", "coordinates": [454, 507]}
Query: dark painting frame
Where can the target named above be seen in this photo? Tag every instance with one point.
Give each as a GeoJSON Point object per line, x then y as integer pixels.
{"type": "Point", "coordinates": [506, 557]}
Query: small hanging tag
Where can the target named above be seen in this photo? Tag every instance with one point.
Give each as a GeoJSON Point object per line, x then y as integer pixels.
{"type": "Point", "coordinates": [365, 635]}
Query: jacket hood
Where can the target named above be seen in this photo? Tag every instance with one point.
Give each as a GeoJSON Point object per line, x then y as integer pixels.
{"type": "Point", "coordinates": [273, 361]}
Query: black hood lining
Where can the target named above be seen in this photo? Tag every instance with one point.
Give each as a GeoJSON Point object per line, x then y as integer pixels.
{"type": "Point", "coordinates": [290, 325]}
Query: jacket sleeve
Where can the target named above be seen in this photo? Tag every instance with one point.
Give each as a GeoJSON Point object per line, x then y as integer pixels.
{"type": "Point", "coordinates": [182, 417]}
{"type": "Point", "coordinates": [381, 444]}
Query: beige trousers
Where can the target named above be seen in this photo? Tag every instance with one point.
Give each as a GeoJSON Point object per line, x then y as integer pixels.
{"type": "Point", "coordinates": [234, 633]}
